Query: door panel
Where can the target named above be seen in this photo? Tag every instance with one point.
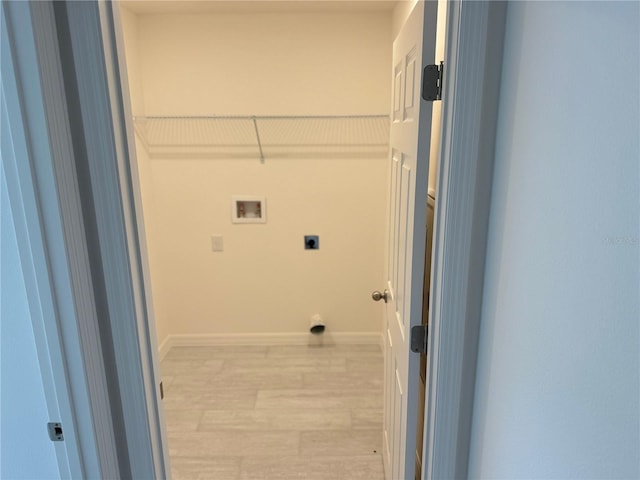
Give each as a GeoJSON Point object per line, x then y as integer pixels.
{"type": "Point", "coordinates": [397, 92]}
{"type": "Point", "coordinates": [408, 172]}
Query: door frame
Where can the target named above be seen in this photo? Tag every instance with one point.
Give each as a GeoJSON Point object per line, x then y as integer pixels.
{"type": "Point", "coordinates": [473, 57]}
{"type": "Point", "coordinates": [43, 192]}
{"type": "Point", "coordinates": [473, 61]}
{"type": "Point", "coordinates": [68, 182]}
{"type": "Point", "coordinates": [32, 257]}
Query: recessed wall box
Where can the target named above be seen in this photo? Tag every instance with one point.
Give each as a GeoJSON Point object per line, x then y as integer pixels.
{"type": "Point", "coordinates": [311, 242]}
{"type": "Point", "coordinates": [248, 209]}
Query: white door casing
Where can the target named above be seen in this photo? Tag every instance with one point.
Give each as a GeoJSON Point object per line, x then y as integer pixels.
{"type": "Point", "coordinates": [36, 162]}
{"type": "Point", "coordinates": [413, 48]}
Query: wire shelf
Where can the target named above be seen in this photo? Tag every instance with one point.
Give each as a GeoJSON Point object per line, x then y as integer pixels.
{"type": "Point", "coordinates": [265, 136]}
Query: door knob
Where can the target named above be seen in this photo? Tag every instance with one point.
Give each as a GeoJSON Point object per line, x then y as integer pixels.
{"type": "Point", "coordinates": [377, 296]}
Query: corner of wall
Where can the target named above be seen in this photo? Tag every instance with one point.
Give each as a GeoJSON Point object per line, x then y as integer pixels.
{"type": "Point", "coordinates": [132, 59]}
{"type": "Point", "coordinates": [400, 13]}
{"type": "Point", "coordinates": [164, 346]}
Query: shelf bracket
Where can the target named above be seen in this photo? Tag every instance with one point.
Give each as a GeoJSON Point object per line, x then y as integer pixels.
{"type": "Point", "coordinates": [255, 125]}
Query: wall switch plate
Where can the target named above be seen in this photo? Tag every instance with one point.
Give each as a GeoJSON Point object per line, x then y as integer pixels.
{"type": "Point", "coordinates": [217, 243]}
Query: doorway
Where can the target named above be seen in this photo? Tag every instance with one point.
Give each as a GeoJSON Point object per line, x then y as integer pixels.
{"type": "Point", "coordinates": [470, 25]}
{"type": "Point", "coordinates": [262, 281]}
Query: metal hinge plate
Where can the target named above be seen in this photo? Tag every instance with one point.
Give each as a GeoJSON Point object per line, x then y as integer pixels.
{"type": "Point", "coordinates": [419, 339]}
{"type": "Point", "coordinates": [55, 431]}
{"type": "Point", "coordinates": [432, 82]}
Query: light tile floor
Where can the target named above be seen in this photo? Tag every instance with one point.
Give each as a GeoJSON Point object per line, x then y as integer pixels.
{"type": "Point", "coordinates": [281, 412]}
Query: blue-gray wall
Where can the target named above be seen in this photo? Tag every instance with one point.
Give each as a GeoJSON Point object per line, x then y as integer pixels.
{"type": "Point", "coordinates": [25, 449]}
{"type": "Point", "coordinates": [557, 392]}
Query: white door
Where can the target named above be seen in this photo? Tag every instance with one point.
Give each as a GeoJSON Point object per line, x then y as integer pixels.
{"type": "Point", "coordinates": [409, 164]}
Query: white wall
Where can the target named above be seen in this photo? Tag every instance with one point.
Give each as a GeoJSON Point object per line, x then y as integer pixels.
{"type": "Point", "coordinates": [130, 31]}
{"type": "Point", "coordinates": [25, 449]}
{"type": "Point", "coordinates": [400, 13]}
{"type": "Point", "coordinates": [266, 64]}
{"type": "Point", "coordinates": [145, 172]}
{"type": "Point", "coordinates": [557, 391]}
{"type": "Point", "coordinates": [264, 281]}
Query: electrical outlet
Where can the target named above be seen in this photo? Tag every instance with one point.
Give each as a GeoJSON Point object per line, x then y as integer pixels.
{"type": "Point", "coordinates": [217, 243]}
{"type": "Point", "coordinates": [311, 242]}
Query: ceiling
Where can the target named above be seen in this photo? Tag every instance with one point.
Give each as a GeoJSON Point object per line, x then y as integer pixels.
{"type": "Point", "coordinates": [257, 6]}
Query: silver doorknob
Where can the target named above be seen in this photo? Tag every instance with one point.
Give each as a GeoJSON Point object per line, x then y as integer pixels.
{"type": "Point", "coordinates": [377, 296]}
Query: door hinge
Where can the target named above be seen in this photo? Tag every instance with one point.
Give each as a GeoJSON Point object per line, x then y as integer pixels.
{"type": "Point", "coordinates": [419, 339]}
{"type": "Point", "coordinates": [161, 391]}
{"type": "Point", "coordinates": [55, 431]}
{"type": "Point", "coordinates": [432, 82]}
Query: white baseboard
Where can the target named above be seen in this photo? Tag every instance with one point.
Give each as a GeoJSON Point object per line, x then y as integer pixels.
{"type": "Point", "coordinates": [213, 339]}
{"type": "Point", "coordinates": [164, 347]}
